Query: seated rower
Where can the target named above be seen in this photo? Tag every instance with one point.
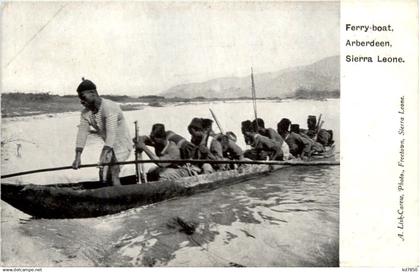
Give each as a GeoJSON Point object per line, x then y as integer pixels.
{"type": "Point", "coordinates": [170, 151]}
{"type": "Point", "coordinates": [208, 132]}
{"type": "Point", "coordinates": [223, 147]}
{"type": "Point", "coordinates": [234, 151]}
{"type": "Point", "coordinates": [200, 130]}
{"type": "Point", "coordinates": [315, 146]}
{"type": "Point", "coordinates": [232, 136]}
{"type": "Point", "coordinates": [262, 147]}
{"type": "Point", "coordinates": [195, 128]}
{"type": "Point", "coordinates": [299, 146]}
{"type": "Point", "coordinates": [259, 126]}
{"type": "Point", "coordinates": [319, 135]}
{"type": "Point", "coordinates": [312, 126]}
{"type": "Point", "coordinates": [187, 149]}
{"type": "Point", "coordinates": [296, 129]}
{"type": "Point", "coordinates": [325, 137]}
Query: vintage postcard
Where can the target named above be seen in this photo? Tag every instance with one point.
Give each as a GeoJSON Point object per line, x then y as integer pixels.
{"type": "Point", "coordinates": [209, 134]}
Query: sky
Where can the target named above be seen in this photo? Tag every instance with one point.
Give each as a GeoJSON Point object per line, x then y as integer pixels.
{"type": "Point", "coordinates": [142, 48]}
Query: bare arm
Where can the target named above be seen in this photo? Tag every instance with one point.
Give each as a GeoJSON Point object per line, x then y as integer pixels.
{"type": "Point", "coordinates": [172, 153]}
{"type": "Point", "coordinates": [82, 133]}
{"type": "Point", "coordinates": [306, 152]}
{"type": "Point", "coordinates": [81, 138]}
{"type": "Point", "coordinates": [235, 150]}
{"type": "Point", "coordinates": [152, 156]}
{"type": "Point", "coordinates": [216, 149]}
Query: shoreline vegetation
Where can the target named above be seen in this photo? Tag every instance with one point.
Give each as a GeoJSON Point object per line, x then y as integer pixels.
{"type": "Point", "coordinates": [28, 104]}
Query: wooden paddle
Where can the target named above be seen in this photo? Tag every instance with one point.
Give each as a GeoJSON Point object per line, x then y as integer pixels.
{"type": "Point", "coordinates": [140, 174]}
{"type": "Point", "coordinates": [290, 162]}
{"type": "Point", "coordinates": [217, 121]}
{"type": "Point", "coordinates": [319, 121]}
{"type": "Point", "coordinates": [254, 97]}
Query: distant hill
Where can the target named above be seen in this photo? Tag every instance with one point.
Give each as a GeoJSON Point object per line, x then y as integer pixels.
{"type": "Point", "coordinates": [323, 75]}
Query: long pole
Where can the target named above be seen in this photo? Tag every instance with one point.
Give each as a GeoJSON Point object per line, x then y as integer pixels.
{"type": "Point", "coordinates": [143, 172]}
{"type": "Point", "coordinates": [254, 96]}
{"type": "Point", "coordinates": [217, 121]}
{"type": "Point", "coordinates": [319, 121]}
{"type": "Point", "coordinates": [318, 129]}
{"type": "Point", "coordinates": [140, 173]}
{"type": "Point", "coordinates": [291, 162]}
{"type": "Point", "coordinates": [136, 133]}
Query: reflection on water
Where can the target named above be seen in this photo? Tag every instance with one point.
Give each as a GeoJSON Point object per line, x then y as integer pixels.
{"type": "Point", "coordinates": [287, 218]}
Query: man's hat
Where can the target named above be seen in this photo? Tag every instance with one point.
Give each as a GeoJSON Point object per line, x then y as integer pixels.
{"type": "Point", "coordinates": [283, 125]}
{"type": "Point", "coordinates": [206, 123]}
{"type": "Point", "coordinates": [295, 128]}
{"type": "Point", "coordinates": [259, 122]}
{"type": "Point", "coordinates": [86, 85]}
{"type": "Point", "coordinates": [158, 131]}
{"type": "Point", "coordinates": [196, 123]}
{"type": "Point", "coordinates": [311, 121]}
{"type": "Point", "coordinates": [246, 126]}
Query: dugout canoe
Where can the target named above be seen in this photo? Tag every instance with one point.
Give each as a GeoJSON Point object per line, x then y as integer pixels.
{"type": "Point", "coordinates": [93, 198]}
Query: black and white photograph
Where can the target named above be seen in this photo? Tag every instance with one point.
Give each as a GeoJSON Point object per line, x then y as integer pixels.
{"type": "Point", "coordinates": [170, 134]}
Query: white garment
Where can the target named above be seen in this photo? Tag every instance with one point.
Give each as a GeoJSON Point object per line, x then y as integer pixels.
{"type": "Point", "coordinates": [110, 124]}
{"type": "Point", "coordinates": [286, 151]}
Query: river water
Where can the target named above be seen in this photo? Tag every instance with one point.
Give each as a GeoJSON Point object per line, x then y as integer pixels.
{"type": "Point", "coordinates": [288, 218]}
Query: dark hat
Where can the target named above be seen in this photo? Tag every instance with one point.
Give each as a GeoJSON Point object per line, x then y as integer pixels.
{"type": "Point", "coordinates": [283, 125]}
{"type": "Point", "coordinates": [206, 123]}
{"type": "Point", "coordinates": [86, 85]}
{"type": "Point", "coordinates": [311, 133]}
{"type": "Point", "coordinates": [196, 123]}
{"type": "Point", "coordinates": [231, 136]}
{"type": "Point", "coordinates": [295, 128]}
{"type": "Point", "coordinates": [158, 131]}
{"type": "Point", "coordinates": [259, 122]}
{"type": "Point", "coordinates": [331, 133]}
{"type": "Point", "coordinates": [246, 126]}
{"type": "Point", "coordinates": [311, 121]}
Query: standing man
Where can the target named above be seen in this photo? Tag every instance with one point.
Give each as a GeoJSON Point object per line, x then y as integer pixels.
{"type": "Point", "coordinates": [107, 119]}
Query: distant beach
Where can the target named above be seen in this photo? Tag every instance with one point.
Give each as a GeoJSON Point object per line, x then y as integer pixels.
{"type": "Point", "coordinates": [29, 104]}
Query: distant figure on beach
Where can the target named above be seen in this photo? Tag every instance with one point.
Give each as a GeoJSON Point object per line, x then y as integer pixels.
{"type": "Point", "coordinates": [107, 119]}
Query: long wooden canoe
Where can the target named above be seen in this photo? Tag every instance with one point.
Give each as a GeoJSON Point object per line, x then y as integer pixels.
{"type": "Point", "coordinates": [93, 198]}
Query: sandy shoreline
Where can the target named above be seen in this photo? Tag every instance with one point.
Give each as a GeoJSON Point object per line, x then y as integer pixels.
{"type": "Point", "coordinates": [132, 106]}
